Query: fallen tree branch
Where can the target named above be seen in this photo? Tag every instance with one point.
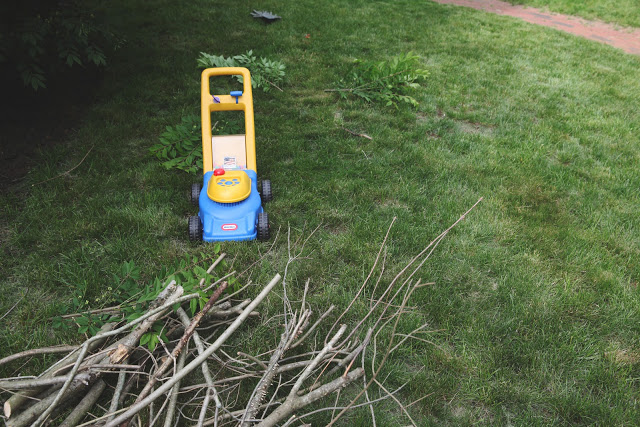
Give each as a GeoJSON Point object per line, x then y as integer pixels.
{"type": "Point", "coordinates": [173, 400]}
{"type": "Point", "coordinates": [134, 409]}
{"type": "Point", "coordinates": [123, 347]}
{"type": "Point", "coordinates": [38, 351]}
{"type": "Point", "coordinates": [18, 399]}
{"type": "Point", "coordinates": [182, 343]}
{"type": "Point", "coordinates": [301, 401]}
{"type": "Point", "coordinates": [36, 383]}
{"type": "Point", "coordinates": [122, 376]}
{"type": "Point", "coordinates": [282, 383]}
{"type": "Point", "coordinates": [87, 402]}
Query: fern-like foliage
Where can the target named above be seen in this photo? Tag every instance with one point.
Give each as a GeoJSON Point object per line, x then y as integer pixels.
{"type": "Point", "coordinates": [265, 73]}
{"type": "Point", "coordinates": [385, 81]}
{"type": "Point", "coordinates": [180, 146]}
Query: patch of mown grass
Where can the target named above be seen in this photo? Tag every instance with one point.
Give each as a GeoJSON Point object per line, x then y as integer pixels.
{"type": "Point", "coordinates": [623, 12]}
{"type": "Point", "coordinates": [535, 297]}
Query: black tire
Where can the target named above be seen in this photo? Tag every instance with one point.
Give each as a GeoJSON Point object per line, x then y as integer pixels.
{"type": "Point", "coordinates": [195, 229]}
{"type": "Point", "coordinates": [265, 192]}
{"type": "Point", "coordinates": [263, 226]}
{"type": "Point", "coordinates": [195, 193]}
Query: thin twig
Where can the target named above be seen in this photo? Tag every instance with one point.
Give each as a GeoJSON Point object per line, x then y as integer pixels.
{"type": "Point", "coordinates": [366, 390]}
{"type": "Point", "coordinates": [116, 394]}
{"type": "Point", "coordinates": [397, 401]}
{"type": "Point", "coordinates": [14, 306]}
{"type": "Point", "coordinates": [211, 267]}
{"type": "Point", "coordinates": [313, 327]}
{"type": "Point", "coordinates": [364, 284]}
{"type": "Point", "coordinates": [67, 172]}
{"type": "Point", "coordinates": [38, 351]}
{"type": "Point", "coordinates": [255, 359]}
{"type": "Point", "coordinates": [363, 135]}
{"type": "Point", "coordinates": [168, 421]}
{"type": "Point", "coordinates": [274, 85]}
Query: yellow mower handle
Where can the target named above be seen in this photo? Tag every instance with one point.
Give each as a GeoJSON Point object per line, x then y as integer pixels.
{"type": "Point", "coordinates": [243, 102]}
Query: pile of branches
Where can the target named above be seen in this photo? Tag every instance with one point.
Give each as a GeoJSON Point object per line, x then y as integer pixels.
{"type": "Point", "coordinates": [196, 379]}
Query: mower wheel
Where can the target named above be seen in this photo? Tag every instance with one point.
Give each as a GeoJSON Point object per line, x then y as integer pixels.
{"type": "Point", "coordinates": [265, 194]}
{"type": "Point", "coordinates": [263, 226]}
{"type": "Point", "coordinates": [195, 193]}
{"type": "Point", "coordinates": [195, 228]}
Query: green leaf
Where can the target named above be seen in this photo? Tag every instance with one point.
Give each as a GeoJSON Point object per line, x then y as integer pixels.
{"type": "Point", "coordinates": [145, 338]}
{"type": "Point", "coordinates": [153, 342]}
{"type": "Point", "coordinates": [133, 316]}
{"type": "Point", "coordinates": [57, 322]}
{"type": "Point", "coordinates": [193, 305]}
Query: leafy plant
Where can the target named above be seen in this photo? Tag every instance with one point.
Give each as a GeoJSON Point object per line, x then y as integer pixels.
{"type": "Point", "coordinates": [132, 297]}
{"type": "Point", "coordinates": [384, 81]}
{"type": "Point", "coordinates": [48, 37]}
{"type": "Point", "coordinates": [265, 73]}
{"type": "Point", "coordinates": [180, 146]}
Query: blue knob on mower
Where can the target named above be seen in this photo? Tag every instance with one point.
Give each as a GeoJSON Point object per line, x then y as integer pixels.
{"type": "Point", "coordinates": [236, 94]}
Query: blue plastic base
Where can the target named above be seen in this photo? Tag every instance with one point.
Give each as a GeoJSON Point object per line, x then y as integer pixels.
{"type": "Point", "coordinates": [230, 221]}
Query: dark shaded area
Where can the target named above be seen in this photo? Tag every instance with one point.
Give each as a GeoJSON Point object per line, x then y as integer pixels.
{"type": "Point", "coordinates": [50, 55]}
{"type": "Point", "coordinates": [31, 121]}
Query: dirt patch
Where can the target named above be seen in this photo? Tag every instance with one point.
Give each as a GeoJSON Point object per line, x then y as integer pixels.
{"type": "Point", "coordinates": [337, 229]}
{"type": "Point", "coordinates": [475, 128]}
{"type": "Point", "coordinates": [624, 357]}
{"type": "Point", "coordinates": [393, 203]}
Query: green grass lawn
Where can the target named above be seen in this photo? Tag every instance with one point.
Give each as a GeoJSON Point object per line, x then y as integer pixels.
{"type": "Point", "coordinates": [623, 12]}
{"type": "Point", "coordinates": [536, 301]}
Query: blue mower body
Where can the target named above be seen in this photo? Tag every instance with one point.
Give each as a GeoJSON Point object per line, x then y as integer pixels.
{"type": "Point", "coordinates": [230, 221]}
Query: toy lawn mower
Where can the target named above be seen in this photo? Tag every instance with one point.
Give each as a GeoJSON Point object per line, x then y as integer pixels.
{"type": "Point", "coordinates": [229, 200]}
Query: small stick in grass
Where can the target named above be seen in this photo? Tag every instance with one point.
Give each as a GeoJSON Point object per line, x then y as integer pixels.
{"type": "Point", "coordinates": [67, 172]}
{"type": "Point", "coordinates": [362, 135]}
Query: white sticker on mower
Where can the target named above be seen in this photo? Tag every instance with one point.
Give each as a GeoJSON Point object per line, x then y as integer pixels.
{"type": "Point", "coordinates": [230, 163]}
{"type": "Point", "coordinates": [229, 227]}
